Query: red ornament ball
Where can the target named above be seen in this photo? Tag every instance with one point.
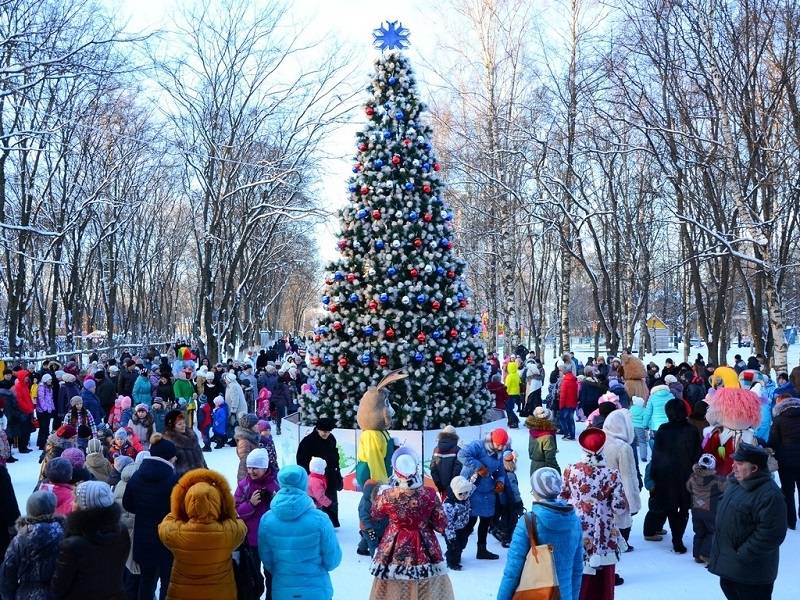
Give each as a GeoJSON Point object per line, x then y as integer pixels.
{"type": "Point", "coordinates": [427, 217]}
{"type": "Point", "coordinates": [451, 274]}
{"type": "Point", "coordinates": [343, 362]}
{"type": "Point", "coordinates": [351, 277]}
{"type": "Point", "coordinates": [364, 190]}
{"type": "Point", "coordinates": [390, 333]}
{"type": "Point", "coordinates": [435, 305]}
{"type": "Point", "coordinates": [333, 308]}
{"type": "Point", "coordinates": [438, 359]}
{"type": "Point", "coordinates": [407, 142]}
{"type": "Point", "coordinates": [396, 159]}
{"type": "Point", "coordinates": [454, 333]}
{"type": "Point", "coordinates": [337, 325]}
{"type": "Point", "coordinates": [315, 361]}
{"type": "Point", "coordinates": [418, 243]}
{"type": "Point", "coordinates": [362, 146]}
{"type": "Point", "coordinates": [342, 244]}
{"type": "Point", "coordinates": [414, 273]}
{"type": "Point", "coordinates": [436, 166]}
{"type": "Point", "coordinates": [376, 215]}
{"type": "Point", "coordinates": [317, 338]}
{"type": "Point", "coordinates": [469, 360]}
{"type": "Point", "coordinates": [358, 166]}
{"type": "Point", "coordinates": [426, 188]}
{"type": "Point", "coordinates": [421, 337]}
{"type": "Point", "coordinates": [383, 361]}
{"type": "Point", "coordinates": [462, 303]}
{"type": "Point", "coordinates": [370, 111]}
{"type": "Point", "coordinates": [449, 245]}
{"type": "Point", "coordinates": [373, 305]}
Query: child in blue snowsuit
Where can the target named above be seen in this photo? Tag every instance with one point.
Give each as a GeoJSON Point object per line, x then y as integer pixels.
{"type": "Point", "coordinates": [509, 502]}
{"type": "Point", "coordinates": [371, 529]}
{"type": "Point", "coordinates": [220, 424]}
{"type": "Point", "coordinates": [457, 508]}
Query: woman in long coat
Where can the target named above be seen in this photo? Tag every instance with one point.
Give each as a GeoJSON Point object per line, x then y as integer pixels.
{"type": "Point", "coordinates": [408, 562]}
{"type": "Point", "coordinates": [202, 530]}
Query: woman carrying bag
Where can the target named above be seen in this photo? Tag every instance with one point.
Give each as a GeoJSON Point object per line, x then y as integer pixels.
{"type": "Point", "coordinates": [552, 528]}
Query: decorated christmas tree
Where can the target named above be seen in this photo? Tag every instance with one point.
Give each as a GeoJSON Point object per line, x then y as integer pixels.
{"type": "Point", "coordinates": [396, 297]}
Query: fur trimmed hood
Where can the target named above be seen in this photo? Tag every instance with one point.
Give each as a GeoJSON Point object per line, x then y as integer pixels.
{"type": "Point", "coordinates": [202, 495]}
{"type": "Point", "coordinates": [782, 407]}
{"type": "Point", "coordinates": [537, 424]}
{"type": "Point", "coordinates": [240, 433]}
{"type": "Point", "coordinates": [101, 525]}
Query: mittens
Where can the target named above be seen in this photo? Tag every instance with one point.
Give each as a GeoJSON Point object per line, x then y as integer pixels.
{"type": "Point", "coordinates": [499, 487]}
{"type": "Point", "coordinates": [483, 471]}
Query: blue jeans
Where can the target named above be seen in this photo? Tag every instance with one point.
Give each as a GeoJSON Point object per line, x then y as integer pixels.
{"type": "Point", "coordinates": [567, 417]}
{"type": "Point", "coordinates": [513, 420]}
{"type": "Point", "coordinates": [641, 442]}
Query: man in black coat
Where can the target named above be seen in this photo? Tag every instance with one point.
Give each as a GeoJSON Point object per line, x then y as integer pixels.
{"type": "Point", "coordinates": [147, 496]}
{"type": "Point", "coordinates": [127, 378]}
{"type": "Point", "coordinates": [9, 509]}
{"type": "Point", "coordinates": [676, 449]}
{"type": "Point", "coordinates": [106, 392]}
{"type": "Point", "coordinates": [750, 527]}
{"type": "Point", "coordinates": [321, 443]}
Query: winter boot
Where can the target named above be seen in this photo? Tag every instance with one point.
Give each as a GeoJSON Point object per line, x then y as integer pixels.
{"type": "Point", "coordinates": [484, 554]}
{"type": "Point", "coordinates": [206, 447]}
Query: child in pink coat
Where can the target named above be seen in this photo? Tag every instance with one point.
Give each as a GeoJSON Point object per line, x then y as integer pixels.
{"type": "Point", "coordinates": [318, 484]}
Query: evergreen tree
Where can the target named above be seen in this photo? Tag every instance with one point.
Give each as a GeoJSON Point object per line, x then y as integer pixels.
{"type": "Point", "coordinates": [396, 297]}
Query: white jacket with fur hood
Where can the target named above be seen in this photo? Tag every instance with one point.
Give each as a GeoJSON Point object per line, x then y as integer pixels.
{"type": "Point", "coordinates": [618, 454]}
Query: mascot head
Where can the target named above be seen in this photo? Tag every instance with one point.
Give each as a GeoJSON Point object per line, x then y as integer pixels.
{"type": "Point", "coordinates": [724, 377]}
{"type": "Point", "coordinates": [374, 410]}
{"type": "Point", "coordinates": [734, 408]}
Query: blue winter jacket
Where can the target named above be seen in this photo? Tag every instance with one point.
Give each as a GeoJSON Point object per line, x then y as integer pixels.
{"type": "Point", "coordinates": [654, 413]}
{"type": "Point", "coordinates": [297, 543]}
{"type": "Point", "coordinates": [92, 403]}
{"type": "Point", "coordinates": [31, 558]}
{"type": "Point", "coordinates": [219, 420]}
{"type": "Point", "coordinates": [141, 392]}
{"type": "Point", "coordinates": [557, 525]}
{"type": "Point", "coordinates": [474, 456]}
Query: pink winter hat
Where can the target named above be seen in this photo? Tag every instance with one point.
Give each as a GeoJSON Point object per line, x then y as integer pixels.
{"type": "Point", "coordinates": [75, 457]}
{"type": "Point", "coordinates": [263, 425]}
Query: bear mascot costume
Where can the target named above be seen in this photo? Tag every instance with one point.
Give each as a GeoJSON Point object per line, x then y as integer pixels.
{"type": "Point", "coordinates": [375, 445]}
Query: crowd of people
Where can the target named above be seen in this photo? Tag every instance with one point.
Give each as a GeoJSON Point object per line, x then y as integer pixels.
{"type": "Point", "coordinates": [124, 486]}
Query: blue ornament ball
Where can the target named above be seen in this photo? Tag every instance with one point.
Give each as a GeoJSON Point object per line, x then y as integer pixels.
{"type": "Point", "coordinates": [384, 298]}
{"type": "Point", "coordinates": [353, 298]}
{"type": "Point", "coordinates": [355, 170]}
{"type": "Point", "coordinates": [362, 213]}
{"type": "Point", "coordinates": [368, 330]}
{"type": "Point", "coordinates": [365, 358]}
{"type": "Point", "coordinates": [436, 334]}
{"type": "Point", "coordinates": [440, 271]}
{"type": "Point", "coordinates": [328, 359]}
{"type": "Point", "coordinates": [419, 357]}
{"type": "Point", "coordinates": [326, 299]}
{"type": "Point", "coordinates": [413, 216]}
{"type": "Point", "coordinates": [399, 115]}
{"type": "Point", "coordinates": [338, 276]}
{"type": "Point", "coordinates": [421, 298]}
{"type": "Point", "coordinates": [391, 271]}
{"type": "Point", "coordinates": [460, 296]}
{"type": "Point", "coordinates": [353, 187]}
{"type": "Point", "coordinates": [457, 355]}
{"type": "Point", "coordinates": [379, 244]}
{"type": "Point", "coordinates": [426, 167]}
{"type": "Point", "coordinates": [392, 80]}
{"type": "Point", "coordinates": [443, 243]}
{"type": "Point", "coordinates": [409, 186]}
{"type": "Point", "coordinates": [378, 163]}
{"type": "Point", "coordinates": [475, 329]}
{"type": "Point", "coordinates": [387, 135]}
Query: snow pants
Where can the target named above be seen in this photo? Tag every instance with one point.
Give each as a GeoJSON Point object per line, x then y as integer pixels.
{"type": "Point", "coordinates": [703, 526]}
{"type": "Point", "coordinates": [745, 591]}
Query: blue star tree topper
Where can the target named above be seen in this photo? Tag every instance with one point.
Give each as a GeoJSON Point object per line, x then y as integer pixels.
{"type": "Point", "coordinates": [391, 36]}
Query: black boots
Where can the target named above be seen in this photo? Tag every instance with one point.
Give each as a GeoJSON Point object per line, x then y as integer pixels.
{"type": "Point", "coordinates": [484, 554]}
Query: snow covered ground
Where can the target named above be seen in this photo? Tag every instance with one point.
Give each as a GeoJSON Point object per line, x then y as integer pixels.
{"type": "Point", "coordinates": [651, 572]}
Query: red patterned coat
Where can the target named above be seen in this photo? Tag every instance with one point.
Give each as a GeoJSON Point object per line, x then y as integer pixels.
{"type": "Point", "coordinates": [597, 494]}
{"type": "Point", "coordinates": [409, 548]}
